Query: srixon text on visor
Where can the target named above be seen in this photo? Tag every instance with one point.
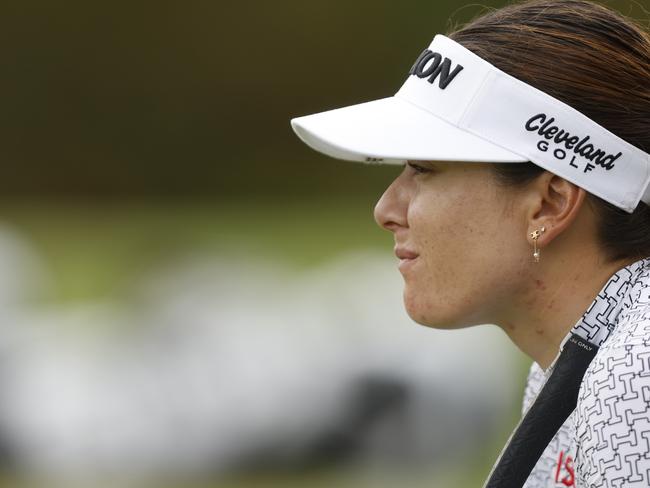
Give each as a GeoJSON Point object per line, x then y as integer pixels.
{"type": "Point", "coordinates": [439, 68]}
{"type": "Point", "coordinates": [543, 125]}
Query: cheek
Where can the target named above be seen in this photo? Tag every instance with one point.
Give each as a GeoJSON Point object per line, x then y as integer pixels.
{"type": "Point", "coordinates": [443, 229]}
{"type": "Point", "coordinates": [466, 263]}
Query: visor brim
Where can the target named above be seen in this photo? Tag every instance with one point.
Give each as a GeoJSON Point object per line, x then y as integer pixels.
{"type": "Point", "coordinates": [394, 130]}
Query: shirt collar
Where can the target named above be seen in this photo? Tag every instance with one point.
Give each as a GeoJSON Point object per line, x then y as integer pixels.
{"type": "Point", "coordinates": [599, 320]}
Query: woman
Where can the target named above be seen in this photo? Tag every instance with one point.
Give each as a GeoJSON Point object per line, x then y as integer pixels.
{"type": "Point", "coordinates": [524, 202]}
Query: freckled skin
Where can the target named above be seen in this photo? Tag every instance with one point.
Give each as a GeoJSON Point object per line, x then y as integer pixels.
{"type": "Point", "coordinates": [475, 261]}
{"type": "Point", "coordinates": [470, 256]}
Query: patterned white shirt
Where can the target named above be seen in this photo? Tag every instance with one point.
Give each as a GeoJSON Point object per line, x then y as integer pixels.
{"type": "Point", "coordinates": [605, 442]}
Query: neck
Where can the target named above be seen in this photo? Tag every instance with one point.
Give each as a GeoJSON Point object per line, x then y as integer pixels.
{"type": "Point", "coordinates": [557, 295]}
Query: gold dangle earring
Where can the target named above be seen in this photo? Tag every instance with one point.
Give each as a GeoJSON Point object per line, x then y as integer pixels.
{"type": "Point", "coordinates": [535, 235]}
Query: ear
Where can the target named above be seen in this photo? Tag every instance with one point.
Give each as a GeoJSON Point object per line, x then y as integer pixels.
{"type": "Point", "coordinates": [554, 204]}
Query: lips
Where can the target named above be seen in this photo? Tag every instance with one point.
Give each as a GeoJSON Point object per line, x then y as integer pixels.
{"type": "Point", "coordinates": [407, 259]}
{"type": "Point", "coordinates": [403, 253]}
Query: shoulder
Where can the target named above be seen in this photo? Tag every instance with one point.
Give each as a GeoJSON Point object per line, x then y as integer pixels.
{"type": "Point", "coordinates": [612, 419]}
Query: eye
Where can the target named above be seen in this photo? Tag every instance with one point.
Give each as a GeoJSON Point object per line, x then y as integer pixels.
{"type": "Point", "coordinates": [418, 169]}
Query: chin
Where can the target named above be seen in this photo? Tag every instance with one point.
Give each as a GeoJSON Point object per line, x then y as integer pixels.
{"type": "Point", "coordinates": [435, 317]}
{"type": "Point", "coordinates": [425, 316]}
{"type": "Point", "coordinates": [441, 324]}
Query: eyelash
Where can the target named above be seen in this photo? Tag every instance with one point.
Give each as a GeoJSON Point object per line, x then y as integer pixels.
{"type": "Point", "coordinates": [418, 169]}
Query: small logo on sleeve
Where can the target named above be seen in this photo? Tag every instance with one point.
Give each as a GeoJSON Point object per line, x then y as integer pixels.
{"type": "Point", "coordinates": [565, 465]}
{"type": "Point", "coordinates": [433, 66]}
{"type": "Point", "coordinates": [568, 143]}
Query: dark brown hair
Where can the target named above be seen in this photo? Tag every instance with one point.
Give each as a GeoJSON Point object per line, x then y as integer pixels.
{"type": "Point", "coordinates": [591, 58]}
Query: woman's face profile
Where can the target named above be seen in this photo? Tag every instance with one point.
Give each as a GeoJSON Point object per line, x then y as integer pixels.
{"type": "Point", "coordinates": [470, 243]}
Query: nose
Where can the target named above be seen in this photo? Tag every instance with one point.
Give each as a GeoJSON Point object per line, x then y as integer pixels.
{"type": "Point", "coordinates": [391, 209]}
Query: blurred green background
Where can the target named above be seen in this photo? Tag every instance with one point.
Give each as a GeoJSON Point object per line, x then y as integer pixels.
{"type": "Point", "coordinates": [137, 133]}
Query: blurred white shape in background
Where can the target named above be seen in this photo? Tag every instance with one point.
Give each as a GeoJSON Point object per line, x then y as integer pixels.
{"type": "Point", "coordinates": [236, 363]}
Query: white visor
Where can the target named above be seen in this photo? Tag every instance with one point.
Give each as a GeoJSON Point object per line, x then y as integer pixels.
{"type": "Point", "coordinates": [455, 106]}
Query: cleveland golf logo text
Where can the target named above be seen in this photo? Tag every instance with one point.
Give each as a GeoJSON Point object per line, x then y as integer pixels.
{"type": "Point", "coordinates": [543, 125]}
